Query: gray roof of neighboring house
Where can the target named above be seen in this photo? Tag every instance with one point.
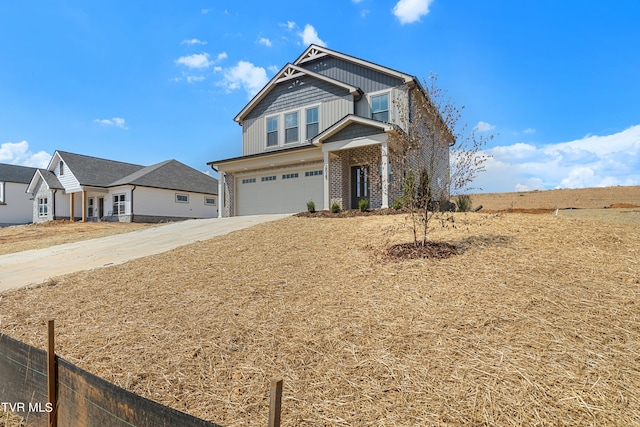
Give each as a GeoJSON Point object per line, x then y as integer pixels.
{"type": "Point", "coordinates": [171, 175]}
{"type": "Point", "coordinates": [15, 173]}
{"type": "Point", "coordinates": [51, 179]}
{"type": "Point", "coordinates": [94, 171]}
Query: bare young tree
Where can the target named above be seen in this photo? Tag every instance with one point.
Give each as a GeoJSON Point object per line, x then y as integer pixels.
{"type": "Point", "coordinates": [441, 157]}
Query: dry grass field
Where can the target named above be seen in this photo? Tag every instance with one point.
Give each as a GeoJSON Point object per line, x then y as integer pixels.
{"type": "Point", "coordinates": [536, 322]}
{"type": "Point", "coordinates": [38, 236]}
{"type": "Point", "coordinates": [584, 198]}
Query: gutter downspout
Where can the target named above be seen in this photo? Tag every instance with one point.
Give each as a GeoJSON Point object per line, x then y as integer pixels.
{"type": "Point", "coordinates": [132, 190]}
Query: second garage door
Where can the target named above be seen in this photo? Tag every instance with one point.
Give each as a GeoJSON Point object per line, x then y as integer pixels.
{"type": "Point", "coordinates": [279, 191]}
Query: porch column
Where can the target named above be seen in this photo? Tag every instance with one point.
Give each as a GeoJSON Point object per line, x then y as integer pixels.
{"type": "Point", "coordinates": [72, 206]}
{"type": "Point", "coordinates": [385, 175]}
{"type": "Point", "coordinates": [84, 206]}
{"type": "Point", "coordinates": [325, 173]}
{"type": "Point", "coordinates": [220, 193]}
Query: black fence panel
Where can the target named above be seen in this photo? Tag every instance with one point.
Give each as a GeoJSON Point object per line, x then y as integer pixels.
{"type": "Point", "coordinates": [23, 380]}
{"type": "Point", "coordinates": [87, 400]}
{"type": "Point", "coordinates": [84, 400]}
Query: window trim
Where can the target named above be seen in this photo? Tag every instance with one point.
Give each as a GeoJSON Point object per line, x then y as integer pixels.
{"type": "Point", "coordinates": [307, 122]}
{"type": "Point", "coordinates": [295, 114]}
{"type": "Point", "coordinates": [119, 203]}
{"type": "Point", "coordinates": [61, 168]}
{"type": "Point", "coordinates": [277, 121]}
{"type": "Point", "coordinates": [43, 207]}
{"type": "Point", "coordinates": [206, 201]}
{"type": "Point", "coordinates": [182, 195]}
{"type": "Point", "coordinates": [378, 94]}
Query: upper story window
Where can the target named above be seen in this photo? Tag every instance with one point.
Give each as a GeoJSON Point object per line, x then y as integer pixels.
{"type": "Point", "coordinates": [61, 168]}
{"type": "Point", "coordinates": [291, 127]}
{"type": "Point", "coordinates": [272, 132]}
{"type": "Point", "coordinates": [380, 107]}
{"type": "Point", "coordinates": [312, 122]}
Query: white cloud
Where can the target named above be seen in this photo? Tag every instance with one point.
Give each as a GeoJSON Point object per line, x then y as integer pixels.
{"type": "Point", "coordinates": [483, 127]}
{"type": "Point", "coordinates": [221, 56]}
{"type": "Point", "coordinates": [264, 41]}
{"type": "Point", "coordinates": [409, 11]}
{"type": "Point", "coordinates": [205, 11]}
{"type": "Point", "coordinates": [289, 25]}
{"type": "Point", "coordinates": [529, 131]}
{"type": "Point", "coordinates": [193, 41]}
{"type": "Point", "coordinates": [245, 76]}
{"type": "Point", "coordinates": [592, 161]}
{"type": "Point", "coordinates": [197, 60]}
{"type": "Point", "coordinates": [310, 36]}
{"type": "Point", "coordinates": [116, 121]}
{"type": "Point", "coordinates": [18, 153]}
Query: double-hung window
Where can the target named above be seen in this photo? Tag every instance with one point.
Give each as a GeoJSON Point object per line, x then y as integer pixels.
{"type": "Point", "coordinates": [272, 132]}
{"type": "Point", "coordinates": [43, 206]}
{"type": "Point", "coordinates": [380, 107]}
{"type": "Point", "coordinates": [119, 204]}
{"type": "Point", "coordinates": [312, 122]}
{"type": "Point", "coordinates": [291, 127]}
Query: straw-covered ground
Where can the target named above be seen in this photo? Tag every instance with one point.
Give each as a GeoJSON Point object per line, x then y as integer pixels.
{"type": "Point", "coordinates": [535, 322]}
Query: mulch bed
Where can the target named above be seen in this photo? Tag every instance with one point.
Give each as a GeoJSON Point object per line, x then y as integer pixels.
{"type": "Point", "coordinates": [430, 250]}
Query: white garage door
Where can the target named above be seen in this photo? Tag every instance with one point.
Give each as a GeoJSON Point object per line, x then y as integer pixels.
{"type": "Point", "coordinates": [279, 191]}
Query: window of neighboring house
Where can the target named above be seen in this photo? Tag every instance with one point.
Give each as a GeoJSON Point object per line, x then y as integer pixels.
{"type": "Point", "coordinates": [182, 198]}
{"type": "Point", "coordinates": [248, 180]}
{"type": "Point", "coordinates": [291, 127]}
{"type": "Point", "coordinates": [290, 175]}
{"type": "Point", "coordinates": [312, 122]}
{"type": "Point", "coordinates": [313, 173]}
{"type": "Point", "coordinates": [268, 178]}
{"type": "Point", "coordinates": [61, 168]}
{"type": "Point", "coordinates": [272, 132]}
{"type": "Point", "coordinates": [2, 192]}
{"type": "Point", "coordinates": [119, 204]}
{"type": "Point", "coordinates": [380, 107]}
{"type": "Point", "coordinates": [43, 206]}
{"type": "Point", "coordinates": [209, 201]}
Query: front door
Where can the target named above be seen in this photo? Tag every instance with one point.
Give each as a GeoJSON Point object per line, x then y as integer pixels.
{"type": "Point", "coordinates": [100, 207]}
{"type": "Point", "coordinates": [359, 185]}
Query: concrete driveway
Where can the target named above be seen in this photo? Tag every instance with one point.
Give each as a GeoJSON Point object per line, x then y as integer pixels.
{"type": "Point", "coordinates": [36, 266]}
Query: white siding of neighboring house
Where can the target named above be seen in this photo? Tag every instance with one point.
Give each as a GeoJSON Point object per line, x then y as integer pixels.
{"type": "Point", "coordinates": [158, 202]}
{"type": "Point", "coordinates": [15, 203]}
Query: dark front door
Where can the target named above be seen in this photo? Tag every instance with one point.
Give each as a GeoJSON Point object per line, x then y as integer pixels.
{"type": "Point", "coordinates": [100, 207]}
{"type": "Point", "coordinates": [359, 185]}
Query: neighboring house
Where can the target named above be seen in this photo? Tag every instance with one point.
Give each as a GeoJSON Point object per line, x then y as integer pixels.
{"type": "Point", "coordinates": [320, 130]}
{"type": "Point", "coordinates": [105, 190]}
{"type": "Point", "coordinates": [15, 203]}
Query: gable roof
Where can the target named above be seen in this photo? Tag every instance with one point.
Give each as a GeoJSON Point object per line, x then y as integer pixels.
{"type": "Point", "coordinates": [171, 175]}
{"type": "Point", "coordinates": [348, 120]}
{"type": "Point", "coordinates": [15, 173]}
{"type": "Point", "coordinates": [48, 177]}
{"type": "Point", "coordinates": [289, 72]}
{"type": "Point", "coordinates": [94, 171]}
{"type": "Point", "coordinates": [314, 52]}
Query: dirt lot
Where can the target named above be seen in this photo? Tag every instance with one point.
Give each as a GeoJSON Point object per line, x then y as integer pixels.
{"type": "Point", "coordinates": [536, 322]}
{"type": "Point", "coordinates": [587, 198]}
{"type": "Point", "coordinates": [38, 236]}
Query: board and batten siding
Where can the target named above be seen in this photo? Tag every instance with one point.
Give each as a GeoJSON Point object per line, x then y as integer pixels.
{"type": "Point", "coordinates": [366, 79]}
{"type": "Point", "coordinates": [334, 103]}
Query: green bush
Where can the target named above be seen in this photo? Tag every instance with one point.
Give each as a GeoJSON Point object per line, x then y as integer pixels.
{"type": "Point", "coordinates": [464, 203]}
{"type": "Point", "coordinates": [398, 204]}
{"type": "Point", "coordinates": [311, 207]}
{"type": "Point", "coordinates": [335, 207]}
{"type": "Point", "coordinates": [363, 205]}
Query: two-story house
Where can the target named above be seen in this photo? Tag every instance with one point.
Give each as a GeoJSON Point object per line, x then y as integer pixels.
{"type": "Point", "coordinates": [321, 130]}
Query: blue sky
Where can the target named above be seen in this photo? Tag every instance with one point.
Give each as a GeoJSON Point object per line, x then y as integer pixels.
{"type": "Point", "coordinates": [558, 82]}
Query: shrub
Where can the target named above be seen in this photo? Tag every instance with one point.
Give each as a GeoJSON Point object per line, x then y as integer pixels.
{"type": "Point", "coordinates": [311, 207]}
{"type": "Point", "coordinates": [363, 205]}
{"type": "Point", "coordinates": [398, 204]}
{"type": "Point", "coordinates": [464, 203]}
{"type": "Point", "coordinates": [335, 207]}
